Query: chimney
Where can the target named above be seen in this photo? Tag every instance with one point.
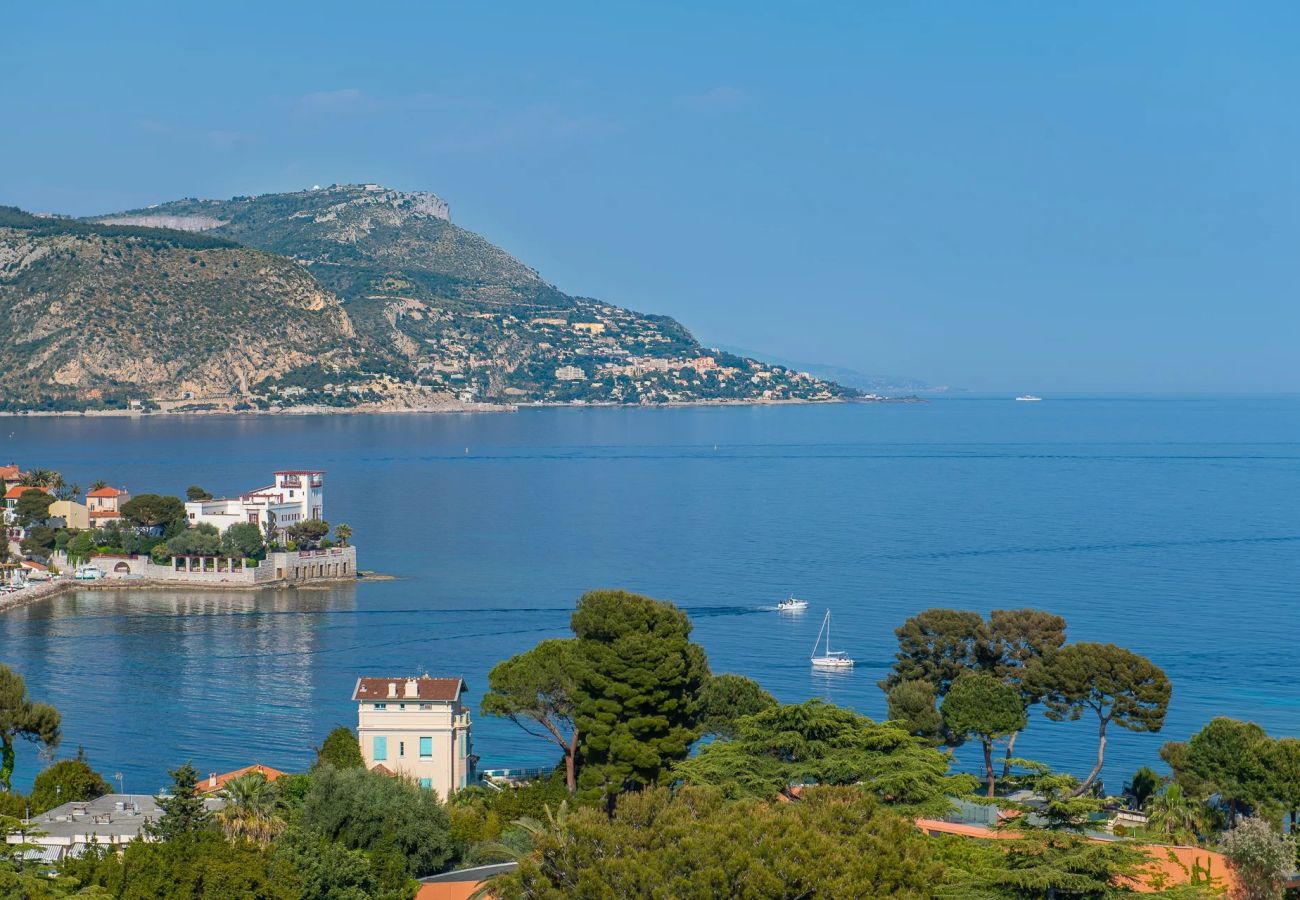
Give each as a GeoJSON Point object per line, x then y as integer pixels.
{"type": "Point", "coordinates": [412, 688]}
{"type": "Point", "coordinates": [392, 688]}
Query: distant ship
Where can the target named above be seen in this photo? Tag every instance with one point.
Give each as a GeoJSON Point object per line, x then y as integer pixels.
{"type": "Point", "coordinates": [1028, 398]}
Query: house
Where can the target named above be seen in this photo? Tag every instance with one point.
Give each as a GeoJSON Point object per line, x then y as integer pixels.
{"type": "Point", "coordinates": [569, 373]}
{"type": "Point", "coordinates": [111, 820]}
{"type": "Point", "coordinates": [215, 783]}
{"type": "Point", "coordinates": [11, 500]}
{"type": "Point", "coordinates": [294, 496]}
{"type": "Point", "coordinates": [71, 513]}
{"type": "Point", "coordinates": [10, 476]}
{"type": "Point", "coordinates": [105, 505]}
{"type": "Point", "coordinates": [416, 728]}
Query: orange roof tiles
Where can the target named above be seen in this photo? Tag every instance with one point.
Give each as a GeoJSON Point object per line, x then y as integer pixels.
{"type": "Point", "coordinates": [19, 489]}
{"type": "Point", "coordinates": [442, 689]}
{"type": "Point", "coordinates": [214, 782]}
{"type": "Point", "coordinates": [106, 492]}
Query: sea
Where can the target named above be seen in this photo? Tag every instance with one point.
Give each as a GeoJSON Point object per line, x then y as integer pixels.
{"type": "Point", "coordinates": [1165, 525]}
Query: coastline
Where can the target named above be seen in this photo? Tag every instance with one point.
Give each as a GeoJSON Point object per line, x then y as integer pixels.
{"type": "Point", "coordinates": [49, 589]}
{"type": "Point", "coordinates": [451, 408]}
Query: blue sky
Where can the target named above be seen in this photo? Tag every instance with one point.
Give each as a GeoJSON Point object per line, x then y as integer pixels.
{"type": "Point", "coordinates": [1045, 197]}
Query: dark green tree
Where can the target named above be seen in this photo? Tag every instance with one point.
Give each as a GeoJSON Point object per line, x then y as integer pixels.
{"type": "Point", "coordinates": [243, 539]}
{"type": "Point", "coordinates": [1019, 638]}
{"type": "Point", "coordinates": [342, 533]}
{"type": "Point", "coordinates": [39, 541]}
{"type": "Point", "coordinates": [726, 699]}
{"type": "Point", "coordinates": [985, 708]}
{"type": "Point", "coordinates": [329, 871]}
{"type": "Point", "coordinates": [201, 540]}
{"type": "Point", "coordinates": [183, 814]}
{"type": "Point", "coordinates": [309, 532]}
{"type": "Point", "coordinates": [340, 750]}
{"type": "Point", "coordinates": [372, 812]}
{"type": "Point", "coordinates": [33, 506]}
{"type": "Point", "coordinates": [154, 511]}
{"type": "Point", "coordinates": [66, 781]}
{"type": "Point", "coordinates": [1116, 685]}
{"type": "Point", "coordinates": [20, 717]}
{"type": "Point", "coordinates": [536, 690]}
{"type": "Point", "coordinates": [1145, 782]}
{"type": "Point", "coordinates": [939, 646]}
{"type": "Point", "coordinates": [1234, 760]}
{"type": "Point", "coordinates": [194, 492]}
{"type": "Point", "coordinates": [638, 680]}
{"type": "Point", "coordinates": [911, 706]}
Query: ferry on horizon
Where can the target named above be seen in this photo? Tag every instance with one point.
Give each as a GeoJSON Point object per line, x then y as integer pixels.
{"type": "Point", "coordinates": [1028, 398]}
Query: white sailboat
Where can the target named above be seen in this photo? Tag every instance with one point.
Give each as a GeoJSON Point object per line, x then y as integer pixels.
{"type": "Point", "coordinates": [831, 659]}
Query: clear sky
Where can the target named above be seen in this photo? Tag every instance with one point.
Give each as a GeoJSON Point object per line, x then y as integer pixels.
{"type": "Point", "coordinates": [1036, 196]}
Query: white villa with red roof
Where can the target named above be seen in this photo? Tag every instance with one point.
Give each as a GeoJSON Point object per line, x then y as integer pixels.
{"type": "Point", "coordinates": [416, 728]}
{"type": "Point", "coordinates": [295, 496]}
{"type": "Point", "coordinates": [105, 505]}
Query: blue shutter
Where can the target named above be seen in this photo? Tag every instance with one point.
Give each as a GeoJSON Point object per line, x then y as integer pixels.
{"type": "Point", "coordinates": [381, 749]}
{"type": "Point", "coordinates": [426, 747]}
{"type": "Point", "coordinates": [426, 783]}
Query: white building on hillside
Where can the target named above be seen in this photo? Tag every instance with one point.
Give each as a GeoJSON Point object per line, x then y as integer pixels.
{"type": "Point", "coordinates": [416, 728]}
{"type": "Point", "coordinates": [295, 496]}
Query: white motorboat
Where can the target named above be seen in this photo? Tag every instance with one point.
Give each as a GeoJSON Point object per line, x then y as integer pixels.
{"type": "Point", "coordinates": [88, 573]}
{"type": "Point", "coordinates": [829, 659]}
{"type": "Point", "coordinates": [792, 604]}
{"type": "Point", "coordinates": [1028, 398]}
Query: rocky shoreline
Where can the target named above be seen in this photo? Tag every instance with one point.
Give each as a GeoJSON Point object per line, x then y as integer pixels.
{"type": "Point", "coordinates": [47, 589]}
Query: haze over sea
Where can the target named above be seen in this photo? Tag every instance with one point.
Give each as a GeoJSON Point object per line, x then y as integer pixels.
{"type": "Point", "coordinates": [1164, 525]}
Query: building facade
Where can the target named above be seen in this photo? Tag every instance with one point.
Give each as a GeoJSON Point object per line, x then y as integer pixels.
{"type": "Point", "coordinates": [294, 496]}
{"type": "Point", "coordinates": [416, 728]}
{"type": "Point", "coordinates": [104, 505]}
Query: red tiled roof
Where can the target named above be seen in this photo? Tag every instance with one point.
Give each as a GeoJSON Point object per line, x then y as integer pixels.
{"type": "Point", "coordinates": [35, 566]}
{"type": "Point", "coordinates": [214, 782]}
{"type": "Point", "coordinates": [10, 471]}
{"type": "Point", "coordinates": [19, 489]}
{"type": "Point", "coordinates": [444, 689]}
{"type": "Point", "coordinates": [106, 492]}
{"type": "Point", "coordinates": [382, 769]}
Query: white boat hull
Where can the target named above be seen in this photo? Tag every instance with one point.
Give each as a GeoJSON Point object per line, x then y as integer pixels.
{"type": "Point", "coordinates": [832, 663]}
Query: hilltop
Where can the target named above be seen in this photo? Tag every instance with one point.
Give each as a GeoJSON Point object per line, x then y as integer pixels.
{"type": "Point", "coordinates": [351, 295]}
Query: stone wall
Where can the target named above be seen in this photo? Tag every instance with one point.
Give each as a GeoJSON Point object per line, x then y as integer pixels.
{"type": "Point", "coordinates": [296, 567]}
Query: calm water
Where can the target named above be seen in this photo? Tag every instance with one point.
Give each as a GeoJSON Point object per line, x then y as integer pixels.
{"type": "Point", "coordinates": [1168, 526]}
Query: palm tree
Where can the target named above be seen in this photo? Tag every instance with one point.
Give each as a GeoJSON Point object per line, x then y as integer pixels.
{"type": "Point", "coordinates": [252, 810]}
{"type": "Point", "coordinates": [98, 483]}
{"type": "Point", "coordinates": [555, 827]}
{"type": "Point", "coordinates": [343, 533]}
{"type": "Point", "coordinates": [39, 478]}
{"type": "Point", "coordinates": [1174, 815]}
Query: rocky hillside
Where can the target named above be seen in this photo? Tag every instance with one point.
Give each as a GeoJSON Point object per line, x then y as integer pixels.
{"type": "Point", "coordinates": [342, 296]}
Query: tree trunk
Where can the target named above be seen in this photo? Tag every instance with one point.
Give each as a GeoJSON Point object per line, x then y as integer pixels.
{"type": "Point", "coordinates": [1101, 756]}
{"type": "Point", "coordinates": [571, 763]}
{"type": "Point", "coordinates": [988, 763]}
{"type": "Point", "coordinates": [1006, 762]}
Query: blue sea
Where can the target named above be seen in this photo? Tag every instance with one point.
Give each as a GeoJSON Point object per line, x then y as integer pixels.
{"type": "Point", "coordinates": [1168, 526]}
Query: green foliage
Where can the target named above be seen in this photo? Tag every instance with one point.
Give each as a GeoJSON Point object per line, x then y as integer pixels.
{"type": "Point", "coordinates": [836, 843]}
{"type": "Point", "coordinates": [153, 510]}
{"type": "Point", "coordinates": [537, 691]}
{"type": "Point", "coordinates": [1174, 816]}
{"type": "Point", "coordinates": [986, 708]}
{"type": "Point", "coordinates": [20, 717]}
{"type": "Point", "coordinates": [194, 492]}
{"type": "Point", "coordinates": [340, 750]}
{"type": "Point", "coordinates": [939, 646]}
{"type": "Point", "coordinates": [342, 533]}
{"type": "Point", "coordinates": [1045, 864]}
{"type": "Point", "coordinates": [326, 870]}
{"type": "Point", "coordinates": [911, 706]}
{"type": "Point", "coordinates": [243, 539]}
{"type": "Point", "coordinates": [1145, 782]}
{"type": "Point", "coordinates": [65, 781]}
{"type": "Point", "coordinates": [1232, 759]}
{"type": "Point", "coordinates": [201, 540]}
{"type": "Point", "coordinates": [817, 743]}
{"type": "Point", "coordinates": [183, 814]}
{"type": "Point", "coordinates": [252, 811]}
{"type": "Point", "coordinates": [33, 506]}
{"type": "Point", "coordinates": [1116, 685]}
{"type": "Point", "coordinates": [638, 679]}
{"type": "Point", "coordinates": [39, 541]}
{"type": "Point", "coordinates": [726, 699]}
{"type": "Point", "coordinates": [376, 813]}
{"type": "Point", "coordinates": [1261, 858]}
{"type": "Point", "coordinates": [309, 532]}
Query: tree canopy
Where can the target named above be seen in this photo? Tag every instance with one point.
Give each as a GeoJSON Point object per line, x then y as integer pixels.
{"type": "Point", "coordinates": [154, 510]}
{"type": "Point", "coordinates": [1232, 759]}
{"type": "Point", "coordinates": [21, 717]}
{"type": "Point", "coordinates": [939, 646]}
{"type": "Point", "coordinates": [65, 781]}
{"type": "Point", "coordinates": [985, 708]}
{"type": "Point", "coordinates": [340, 749]}
{"type": "Point", "coordinates": [183, 813]}
{"type": "Point", "coordinates": [638, 680]}
{"type": "Point", "coordinates": [726, 699]}
{"type": "Point", "coordinates": [1117, 685]}
{"type": "Point", "coordinates": [537, 690]}
{"type": "Point", "coordinates": [33, 506]}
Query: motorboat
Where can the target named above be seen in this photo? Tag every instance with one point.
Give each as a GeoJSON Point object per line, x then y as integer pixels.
{"type": "Point", "coordinates": [792, 604]}
{"type": "Point", "coordinates": [88, 573]}
{"type": "Point", "coordinates": [1028, 398]}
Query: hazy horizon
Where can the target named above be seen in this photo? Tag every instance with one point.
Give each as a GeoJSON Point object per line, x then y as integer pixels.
{"type": "Point", "coordinates": [1001, 198]}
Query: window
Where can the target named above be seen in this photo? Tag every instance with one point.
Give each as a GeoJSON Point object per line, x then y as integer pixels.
{"type": "Point", "coordinates": [401, 749]}
{"type": "Point", "coordinates": [381, 706]}
{"type": "Point", "coordinates": [401, 706]}
{"type": "Point", "coordinates": [422, 705]}
{"type": "Point", "coordinates": [426, 748]}
{"type": "Point", "coordinates": [426, 783]}
{"type": "Point", "coordinates": [381, 749]}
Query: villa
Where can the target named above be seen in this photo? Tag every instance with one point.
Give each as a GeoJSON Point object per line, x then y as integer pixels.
{"type": "Point", "coordinates": [105, 505]}
{"type": "Point", "coordinates": [416, 728]}
{"type": "Point", "coordinates": [294, 496]}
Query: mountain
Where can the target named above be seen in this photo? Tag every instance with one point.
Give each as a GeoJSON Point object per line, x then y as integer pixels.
{"type": "Point", "coordinates": [352, 295]}
{"type": "Point", "coordinates": [876, 384]}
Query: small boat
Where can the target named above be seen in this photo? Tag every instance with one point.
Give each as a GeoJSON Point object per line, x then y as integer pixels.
{"type": "Point", "coordinates": [792, 604]}
{"type": "Point", "coordinates": [1028, 398]}
{"type": "Point", "coordinates": [830, 659]}
{"type": "Point", "coordinates": [88, 573]}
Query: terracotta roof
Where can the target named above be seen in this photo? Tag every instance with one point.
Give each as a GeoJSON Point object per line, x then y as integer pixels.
{"type": "Point", "coordinates": [106, 492]}
{"type": "Point", "coordinates": [105, 514]}
{"type": "Point", "coordinates": [426, 688]}
{"type": "Point", "coordinates": [381, 769]}
{"type": "Point", "coordinates": [214, 782]}
{"type": "Point", "coordinates": [10, 471]}
{"type": "Point", "coordinates": [35, 566]}
{"type": "Point", "coordinates": [19, 489]}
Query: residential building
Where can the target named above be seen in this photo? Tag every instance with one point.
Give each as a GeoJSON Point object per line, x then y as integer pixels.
{"type": "Point", "coordinates": [589, 327]}
{"type": "Point", "coordinates": [215, 784]}
{"type": "Point", "coordinates": [11, 500]}
{"type": "Point", "coordinates": [569, 373]}
{"type": "Point", "coordinates": [71, 513]}
{"type": "Point", "coordinates": [111, 820]}
{"type": "Point", "coordinates": [105, 505]}
{"type": "Point", "coordinates": [294, 496]}
{"type": "Point", "coordinates": [416, 728]}
{"type": "Point", "coordinates": [10, 476]}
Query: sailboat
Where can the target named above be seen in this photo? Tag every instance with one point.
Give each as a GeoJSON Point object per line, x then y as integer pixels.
{"type": "Point", "coordinates": [831, 659]}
